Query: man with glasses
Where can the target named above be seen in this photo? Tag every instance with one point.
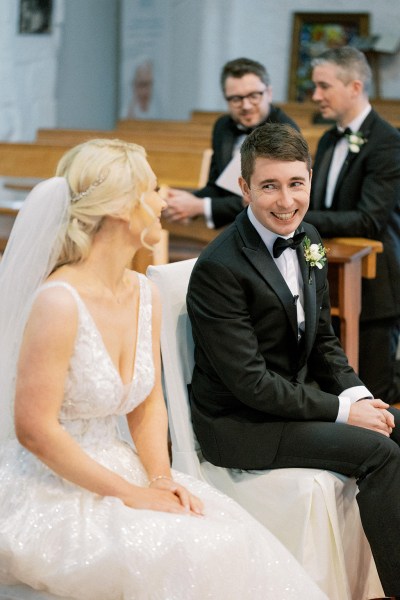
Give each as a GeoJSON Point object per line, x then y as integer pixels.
{"type": "Point", "coordinates": [247, 89]}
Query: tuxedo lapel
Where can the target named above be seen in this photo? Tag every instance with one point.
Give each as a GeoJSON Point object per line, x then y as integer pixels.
{"type": "Point", "coordinates": [227, 144]}
{"type": "Point", "coordinates": [322, 170]}
{"type": "Point", "coordinates": [310, 308]}
{"type": "Point", "coordinates": [343, 171]}
{"type": "Point", "coordinates": [351, 156]}
{"type": "Point", "coordinates": [257, 254]}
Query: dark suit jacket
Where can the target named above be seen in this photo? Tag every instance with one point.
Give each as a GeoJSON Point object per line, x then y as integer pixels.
{"type": "Point", "coordinates": [366, 203]}
{"type": "Point", "coordinates": [251, 375]}
{"type": "Point", "coordinates": [225, 205]}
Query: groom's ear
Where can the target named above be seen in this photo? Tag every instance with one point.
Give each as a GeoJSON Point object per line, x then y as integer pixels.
{"type": "Point", "coordinates": [245, 189]}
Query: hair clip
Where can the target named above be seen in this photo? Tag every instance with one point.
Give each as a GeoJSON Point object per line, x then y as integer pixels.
{"type": "Point", "coordinates": [92, 186]}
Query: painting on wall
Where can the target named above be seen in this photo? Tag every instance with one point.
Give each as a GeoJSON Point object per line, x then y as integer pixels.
{"type": "Point", "coordinates": [313, 33]}
{"type": "Point", "coordinates": [35, 16]}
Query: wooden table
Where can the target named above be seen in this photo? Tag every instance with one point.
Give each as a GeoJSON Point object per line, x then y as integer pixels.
{"type": "Point", "coordinates": [345, 264]}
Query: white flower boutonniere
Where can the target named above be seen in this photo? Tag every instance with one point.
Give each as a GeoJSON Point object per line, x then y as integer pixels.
{"type": "Point", "coordinates": [315, 255]}
{"type": "Point", "coordinates": [355, 140]}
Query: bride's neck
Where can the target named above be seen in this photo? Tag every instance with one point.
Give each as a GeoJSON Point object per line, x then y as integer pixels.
{"type": "Point", "coordinates": [103, 272]}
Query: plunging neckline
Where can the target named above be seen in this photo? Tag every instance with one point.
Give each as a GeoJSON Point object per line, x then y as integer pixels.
{"type": "Point", "coordinates": [99, 335]}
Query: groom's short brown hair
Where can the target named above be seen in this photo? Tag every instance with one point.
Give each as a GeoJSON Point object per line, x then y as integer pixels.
{"type": "Point", "coordinates": [277, 141]}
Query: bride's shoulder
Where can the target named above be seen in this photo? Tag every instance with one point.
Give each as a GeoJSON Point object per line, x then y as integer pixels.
{"type": "Point", "coordinates": [53, 321]}
{"type": "Point", "coordinates": [56, 301]}
{"type": "Point", "coordinates": [136, 278]}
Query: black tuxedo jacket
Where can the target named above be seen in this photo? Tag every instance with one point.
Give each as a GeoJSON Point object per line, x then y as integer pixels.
{"type": "Point", "coordinates": [251, 374]}
{"type": "Point", "coordinates": [366, 203]}
{"type": "Point", "coordinates": [225, 205]}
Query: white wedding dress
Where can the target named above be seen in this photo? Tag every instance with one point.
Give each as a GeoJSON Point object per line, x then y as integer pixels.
{"type": "Point", "coordinates": [58, 537]}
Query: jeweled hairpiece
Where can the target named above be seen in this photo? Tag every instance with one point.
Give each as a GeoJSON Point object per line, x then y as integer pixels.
{"type": "Point", "coordinates": [92, 186]}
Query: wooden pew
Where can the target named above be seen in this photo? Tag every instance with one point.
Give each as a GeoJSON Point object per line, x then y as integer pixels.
{"type": "Point", "coordinates": [305, 113]}
{"type": "Point", "coordinates": [163, 140]}
{"type": "Point", "coordinates": [206, 117]}
{"type": "Point", "coordinates": [163, 126]}
{"type": "Point", "coordinates": [177, 167]}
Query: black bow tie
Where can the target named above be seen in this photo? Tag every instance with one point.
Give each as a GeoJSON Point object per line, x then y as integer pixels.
{"type": "Point", "coordinates": [243, 130]}
{"type": "Point", "coordinates": [338, 135]}
{"type": "Point", "coordinates": [281, 244]}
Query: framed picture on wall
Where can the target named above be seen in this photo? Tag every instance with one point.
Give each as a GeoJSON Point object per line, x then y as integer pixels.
{"type": "Point", "coordinates": [35, 16]}
{"type": "Point", "coordinates": [313, 33]}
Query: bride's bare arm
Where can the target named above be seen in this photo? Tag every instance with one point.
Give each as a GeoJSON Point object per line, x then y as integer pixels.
{"type": "Point", "coordinates": [148, 425]}
{"type": "Point", "coordinates": [45, 354]}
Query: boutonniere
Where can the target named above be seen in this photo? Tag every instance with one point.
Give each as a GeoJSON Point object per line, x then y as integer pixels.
{"type": "Point", "coordinates": [315, 255]}
{"type": "Point", "coordinates": [355, 140]}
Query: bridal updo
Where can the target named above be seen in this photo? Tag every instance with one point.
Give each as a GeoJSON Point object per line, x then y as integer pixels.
{"type": "Point", "coordinates": [105, 177]}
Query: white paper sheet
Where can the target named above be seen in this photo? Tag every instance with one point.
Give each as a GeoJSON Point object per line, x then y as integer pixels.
{"type": "Point", "coordinates": [230, 175]}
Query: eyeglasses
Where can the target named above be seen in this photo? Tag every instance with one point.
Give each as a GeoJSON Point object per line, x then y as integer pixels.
{"type": "Point", "coordinates": [254, 98]}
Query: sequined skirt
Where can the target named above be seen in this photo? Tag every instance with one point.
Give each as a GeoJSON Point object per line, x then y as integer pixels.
{"type": "Point", "coordinates": [66, 540]}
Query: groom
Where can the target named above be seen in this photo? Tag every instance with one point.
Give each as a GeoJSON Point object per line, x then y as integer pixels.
{"type": "Point", "coordinates": [272, 387]}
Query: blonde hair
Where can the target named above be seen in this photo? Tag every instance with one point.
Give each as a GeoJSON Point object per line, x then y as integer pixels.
{"type": "Point", "coordinates": [105, 178]}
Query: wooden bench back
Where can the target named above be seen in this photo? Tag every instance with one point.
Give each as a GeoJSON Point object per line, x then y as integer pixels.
{"type": "Point", "coordinates": [177, 167]}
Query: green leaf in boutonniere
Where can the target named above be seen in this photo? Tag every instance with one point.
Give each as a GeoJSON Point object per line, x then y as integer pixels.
{"type": "Point", "coordinates": [315, 255]}
{"type": "Point", "coordinates": [355, 140]}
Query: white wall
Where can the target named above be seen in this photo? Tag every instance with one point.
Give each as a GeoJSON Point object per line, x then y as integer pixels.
{"type": "Point", "coordinates": [87, 76]}
{"type": "Point", "coordinates": [262, 30]}
{"type": "Point", "coordinates": [192, 39]}
{"type": "Point", "coordinates": [28, 66]}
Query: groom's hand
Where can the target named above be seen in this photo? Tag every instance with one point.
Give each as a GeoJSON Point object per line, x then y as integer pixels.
{"type": "Point", "coordinates": [372, 414]}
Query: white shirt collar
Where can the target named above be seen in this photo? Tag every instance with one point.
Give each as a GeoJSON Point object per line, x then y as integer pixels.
{"type": "Point", "coordinates": [356, 123]}
{"type": "Point", "coordinates": [267, 236]}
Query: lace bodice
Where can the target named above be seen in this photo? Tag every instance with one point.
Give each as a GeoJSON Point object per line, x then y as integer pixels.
{"type": "Point", "coordinates": [94, 392]}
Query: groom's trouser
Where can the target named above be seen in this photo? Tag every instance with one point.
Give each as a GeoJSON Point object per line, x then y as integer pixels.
{"type": "Point", "coordinates": [374, 460]}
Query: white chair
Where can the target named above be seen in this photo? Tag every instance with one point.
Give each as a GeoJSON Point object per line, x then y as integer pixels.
{"type": "Point", "coordinates": [313, 512]}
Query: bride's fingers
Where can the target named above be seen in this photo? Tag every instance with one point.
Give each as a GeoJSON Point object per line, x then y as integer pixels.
{"type": "Point", "coordinates": [196, 505]}
{"type": "Point", "coordinates": [189, 501]}
{"type": "Point", "coordinates": [184, 496]}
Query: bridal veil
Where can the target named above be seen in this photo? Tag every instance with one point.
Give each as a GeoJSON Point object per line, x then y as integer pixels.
{"type": "Point", "coordinates": [31, 252]}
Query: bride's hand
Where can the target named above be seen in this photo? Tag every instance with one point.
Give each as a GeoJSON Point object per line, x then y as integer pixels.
{"type": "Point", "coordinates": [164, 500]}
{"type": "Point", "coordinates": [188, 501]}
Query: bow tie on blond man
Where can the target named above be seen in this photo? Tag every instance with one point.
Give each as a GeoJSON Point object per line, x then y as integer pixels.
{"type": "Point", "coordinates": [337, 134]}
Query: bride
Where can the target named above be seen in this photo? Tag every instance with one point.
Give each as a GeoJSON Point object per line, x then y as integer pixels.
{"type": "Point", "coordinates": [85, 515]}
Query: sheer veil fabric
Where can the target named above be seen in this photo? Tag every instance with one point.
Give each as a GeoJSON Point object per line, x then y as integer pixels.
{"type": "Point", "coordinates": [32, 250]}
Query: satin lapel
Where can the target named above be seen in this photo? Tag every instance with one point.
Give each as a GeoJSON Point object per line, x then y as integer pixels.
{"type": "Point", "coordinates": [310, 308]}
{"type": "Point", "coordinates": [351, 156]}
{"type": "Point", "coordinates": [321, 172]}
{"type": "Point", "coordinates": [345, 167]}
{"type": "Point", "coordinates": [258, 255]}
{"type": "Point", "coordinates": [227, 144]}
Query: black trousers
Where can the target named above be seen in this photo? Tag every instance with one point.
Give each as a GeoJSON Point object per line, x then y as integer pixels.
{"type": "Point", "coordinates": [374, 460]}
{"type": "Point", "coordinates": [379, 368]}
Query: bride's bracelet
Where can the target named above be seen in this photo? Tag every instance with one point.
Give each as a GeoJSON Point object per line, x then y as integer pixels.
{"type": "Point", "coordinates": [159, 477]}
